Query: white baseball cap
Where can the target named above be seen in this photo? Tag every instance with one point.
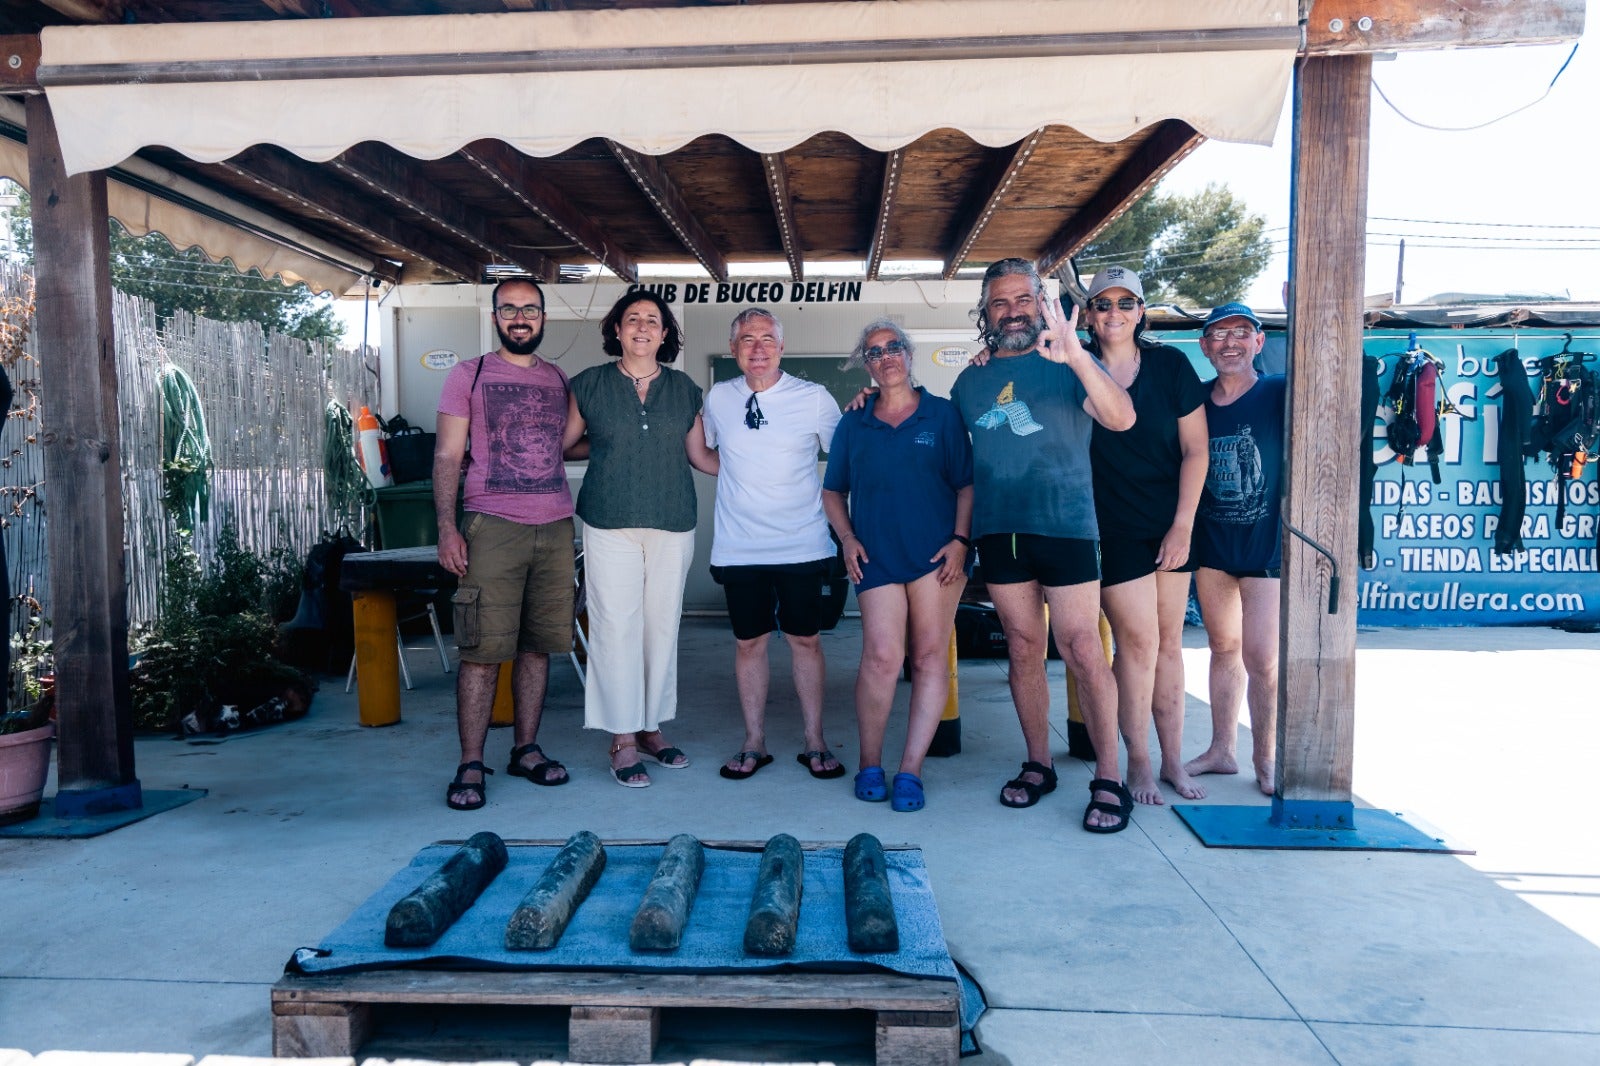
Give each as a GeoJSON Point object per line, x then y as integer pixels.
{"type": "Point", "coordinates": [1115, 278]}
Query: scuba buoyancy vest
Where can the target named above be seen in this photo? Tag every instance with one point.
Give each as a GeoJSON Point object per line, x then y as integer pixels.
{"type": "Point", "coordinates": [1370, 391]}
{"type": "Point", "coordinates": [1416, 402]}
{"type": "Point", "coordinates": [1566, 417]}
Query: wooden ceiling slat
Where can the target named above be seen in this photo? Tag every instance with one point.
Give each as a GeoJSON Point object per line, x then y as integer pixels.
{"type": "Point", "coordinates": [399, 178]}
{"type": "Point", "coordinates": [991, 194]}
{"type": "Point", "coordinates": [88, 10]}
{"type": "Point", "coordinates": [1161, 151]}
{"type": "Point", "coordinates": [310, 191]}
{"type": "Point", "coordinates": [517, 176]}
{"type": "Point", "coordinates": [652, 180]}
{"type": "Point", "coordinates": [893, 164]}
{"type": "Point", "coordinates": [783, 211]}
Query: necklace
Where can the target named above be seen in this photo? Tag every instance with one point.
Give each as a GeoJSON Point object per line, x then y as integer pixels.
{"type": "Point", "coordinates": [640, 382]}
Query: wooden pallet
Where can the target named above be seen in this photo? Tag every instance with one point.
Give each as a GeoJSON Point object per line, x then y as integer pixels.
{"type": "Point", "coordinates": [616, 1016]}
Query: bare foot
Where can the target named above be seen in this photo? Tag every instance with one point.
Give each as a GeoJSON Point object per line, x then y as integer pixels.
{"type": "Point", "coordinates": [1265, 779]}
{"type": "Point", "coordinates": [1182, 783]}
{"type": "Point", "coordinates": [1142, 783]}
{"type": "Point", "coordinates": [1211, 761]}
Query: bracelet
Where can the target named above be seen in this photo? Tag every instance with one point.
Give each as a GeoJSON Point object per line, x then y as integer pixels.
{"type": "Point", "coordinates": [848, 536]}
{"type": "Point", "coordinates": [967, 541]}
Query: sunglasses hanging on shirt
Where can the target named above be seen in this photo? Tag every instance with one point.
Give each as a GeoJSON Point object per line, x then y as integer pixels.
{"type": "Point", "coordinates": [753, 418]}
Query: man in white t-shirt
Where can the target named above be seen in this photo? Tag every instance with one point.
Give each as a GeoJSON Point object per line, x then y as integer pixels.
{"type": "Point", "coordinates": [772, 553]}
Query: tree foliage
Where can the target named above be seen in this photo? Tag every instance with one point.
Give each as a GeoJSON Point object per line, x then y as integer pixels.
{"type": "Point", "coordinates": [151, 268]}
{"type": "Point", "coordinates": [1200, 249]}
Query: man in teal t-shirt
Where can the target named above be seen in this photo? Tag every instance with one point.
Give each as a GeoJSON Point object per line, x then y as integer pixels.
{"type": "Point", "coordinates": [1030, 408]}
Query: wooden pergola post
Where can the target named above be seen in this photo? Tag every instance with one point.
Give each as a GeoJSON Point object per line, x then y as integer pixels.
{"type": "Point", "coordinates": [83, 478]}
{"type": "Point", "coordinates": [1327, 254]}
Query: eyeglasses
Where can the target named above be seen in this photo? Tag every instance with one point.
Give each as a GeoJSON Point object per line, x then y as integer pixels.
{"type": "Point", "coordinates": [1122, 303]}
{"type": "Point", "coordinates": [878, 351]}
{"type": "Point", "coordinates": [1238, 333]}
{"type": "Point", "coordinates": [753, 418]}
{"type": "Point", "coordinates": [511, 312]}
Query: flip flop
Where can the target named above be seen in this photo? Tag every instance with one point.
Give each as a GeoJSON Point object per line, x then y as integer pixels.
{"type": "Point", "coordinates": [907, 793]}
{"type": "Point", "coordinates": [458, 785]}
{"type": "Point", "coordinates": [538, 774]}
{"type": "Point", "coordinates": [1034, 791]}
{"type": "Point", "coordinates": [821, 755]}
{"type": "Point", "coordinates": [870, 786]}
{"type": "Point", "coordinates": [1123, 808]}
{"type": "Point", "coordinates": [761, 758]}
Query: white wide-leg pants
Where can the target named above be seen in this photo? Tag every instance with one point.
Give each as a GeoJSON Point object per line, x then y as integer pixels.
{"type": "Point", "coordinates": [634, 580]}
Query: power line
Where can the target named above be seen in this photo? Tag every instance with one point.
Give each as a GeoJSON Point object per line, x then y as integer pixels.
{"type": "Point", "coordinates": [1480, 125]}
{"type": "Point", "coordinates": [1486, 225]}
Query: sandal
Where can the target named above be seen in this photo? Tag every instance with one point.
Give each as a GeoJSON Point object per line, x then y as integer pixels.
{"type": "Point", "coordinates": [633, 775]}
{"type": "Point", "coordinates": [1035, 792]}
{"type": "Point", "coordinates": [907, 793]}
{"type": "Point", "coordinates": [1123, 808]}
{"type": "Point", "coordinates": [761, 759]}
{"type": "Point", "coordinates": [670, 757]}
{"type": "Point", "coordinates": [458, 785]}
{"type": "Point", "coordinates": [539, 773]}
{"type": "Point", "coordinates": [821, 755]}
{"type": "Point", "coordinates": [870, 787]}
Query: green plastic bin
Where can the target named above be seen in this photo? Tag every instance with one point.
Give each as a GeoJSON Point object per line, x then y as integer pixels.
{"type": "Point", "coordinates": [405, 515]}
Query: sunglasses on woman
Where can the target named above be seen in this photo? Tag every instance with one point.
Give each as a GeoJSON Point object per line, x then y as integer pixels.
{"type": "Point", "coordinates": [878, 351]}
{"type": "Point", "coordinates": [1122, 303]}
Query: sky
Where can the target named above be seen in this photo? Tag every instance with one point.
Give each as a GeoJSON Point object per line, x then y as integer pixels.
{"type": "Point", "coordinates": [1512, 206]}
{"type": "Point", "coordinates": [1528, 175]}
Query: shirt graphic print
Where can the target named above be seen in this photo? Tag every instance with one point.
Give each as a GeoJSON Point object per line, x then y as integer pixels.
{"type": "Point", "coordinates": [1009, 411]}
{"type": "Point", "coordinates": [1237, 484]}
{"type": "Point", "coordinates": [523, 424]}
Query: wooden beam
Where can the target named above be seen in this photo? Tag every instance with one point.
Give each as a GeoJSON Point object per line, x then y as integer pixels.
{"type": "Point", "coordinates": [517, 176]}
{"type": "Point", "coordinates": [19, 62]}
{"type": "Point", "coordinates": [83, 470]}
{"type": "Point", "coordinates": [777, 172]}
{"type": "Point", "coordinates": [306, 9]}
{"type": "Point", "coordinates": [1008, 163]}
{"type": "Point", "coordinates": [399, 179]}
{"type": "Point", "coordinates": [1161, 151]}
{"type": "Point", "coordinates": [1352, 26]}
{"type": "Point", "coordinates": [1327, 253]}
{"type": "Point", "coordinates": [662, 192]}
{"type": "Point", "coordinates": [276, 171]}
{"type": "Point", "coordinates": [893, 166]}
{"type": "Point", "coordinates": [88, 10]}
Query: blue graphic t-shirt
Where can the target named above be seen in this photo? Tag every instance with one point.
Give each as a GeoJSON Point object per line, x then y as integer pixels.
{"type": "Point", "coordinates": [1236, 525]}
{"type": "Point", "coordinates": [1030, 447]}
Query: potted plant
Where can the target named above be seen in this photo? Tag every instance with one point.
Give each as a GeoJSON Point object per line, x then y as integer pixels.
{"type": "Point", "coordinates": [25, 726]}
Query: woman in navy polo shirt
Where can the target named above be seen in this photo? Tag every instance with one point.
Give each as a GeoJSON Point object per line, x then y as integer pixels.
{"type": "Point", "coordinates": [898, 493]}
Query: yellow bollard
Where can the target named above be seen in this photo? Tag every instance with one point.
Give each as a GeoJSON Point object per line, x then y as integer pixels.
{"type": "Point", "coordinates": [504, 709]}
{"type": "Point", "coordinates": [947, 737]}
{"type": "Point", "coordinates": [377, 658]}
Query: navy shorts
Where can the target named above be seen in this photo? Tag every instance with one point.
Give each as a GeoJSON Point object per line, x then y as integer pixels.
{"type": "Point", "coordinates": [1013, 558]}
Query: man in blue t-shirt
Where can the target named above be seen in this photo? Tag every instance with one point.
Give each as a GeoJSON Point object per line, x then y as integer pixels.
{"type": "Point", "coordinates": [1237, 543]}
{"type": "Point", "coordinates": [1030, 408]}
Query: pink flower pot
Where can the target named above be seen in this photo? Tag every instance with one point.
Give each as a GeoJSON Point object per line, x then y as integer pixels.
{"type": "Point", "coordinates": [24, 765]}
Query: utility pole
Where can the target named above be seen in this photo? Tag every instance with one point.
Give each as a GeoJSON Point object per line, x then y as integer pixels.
{"type": "Point", "coordinates": [1400, 272]}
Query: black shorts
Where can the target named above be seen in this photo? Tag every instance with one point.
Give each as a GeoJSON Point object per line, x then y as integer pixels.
{"type": "Point", "coordinates": [1124, 559]}
{"type": "Point", "coordinates": [789, 597]}
{"type": "Point", "coordinates": [1012, 558]}
{"type": "Point", "coordinates": [1271, 572]}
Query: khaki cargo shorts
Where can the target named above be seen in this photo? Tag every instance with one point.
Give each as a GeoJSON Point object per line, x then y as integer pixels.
{"type": "Point", "coordinates": [518, 593]}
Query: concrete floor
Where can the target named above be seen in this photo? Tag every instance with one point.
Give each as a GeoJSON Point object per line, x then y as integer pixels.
{"type": "Point", "coordinates": [166, 936]}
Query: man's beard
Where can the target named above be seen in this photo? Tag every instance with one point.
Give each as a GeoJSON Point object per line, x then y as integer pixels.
{"type": "Point", "coordinates": [1024, 341]}
{"type": "Point", "coordinates": [527, 347]}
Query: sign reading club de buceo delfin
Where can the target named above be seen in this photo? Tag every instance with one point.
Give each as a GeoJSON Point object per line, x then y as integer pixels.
{"type": "Point", "coordinates": [1435, 543]}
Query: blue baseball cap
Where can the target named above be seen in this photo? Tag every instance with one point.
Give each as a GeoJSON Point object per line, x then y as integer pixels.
{"type": "Point", "coordinates": [1231, 310]}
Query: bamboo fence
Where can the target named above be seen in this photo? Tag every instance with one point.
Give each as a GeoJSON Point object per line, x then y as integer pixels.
{"type": "Point", "coordinates": [265, 400]}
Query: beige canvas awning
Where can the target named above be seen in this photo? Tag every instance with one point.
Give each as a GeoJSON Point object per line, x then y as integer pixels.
{"type": "Point", "coordinates": [653, 80]}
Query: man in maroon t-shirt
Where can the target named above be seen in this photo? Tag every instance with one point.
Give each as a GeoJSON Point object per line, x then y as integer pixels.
{"type": "Point", "coordinates": [501, 417]}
